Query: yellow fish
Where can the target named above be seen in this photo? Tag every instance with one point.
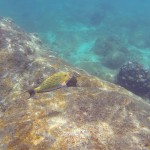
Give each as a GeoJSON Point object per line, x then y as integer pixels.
{"type": "Point", "coordinates": [53, 82]}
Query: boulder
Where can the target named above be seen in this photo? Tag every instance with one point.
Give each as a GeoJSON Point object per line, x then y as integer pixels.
{"type": "Point", "coordinates": [134, 77]}
{"type": "Point", "coordinates": [95, 115]}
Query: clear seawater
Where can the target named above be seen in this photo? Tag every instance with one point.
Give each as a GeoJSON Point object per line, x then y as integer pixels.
{"type": "Point", "coordinates": [96, 35]}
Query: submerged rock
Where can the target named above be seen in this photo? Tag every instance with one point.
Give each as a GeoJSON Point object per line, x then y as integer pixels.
{"type": "Point", "coordinates": [135, 78]}
{"type": "Point", "coordinates": [113, 51]}
{"type": "Point", "coordinates": [114, 60]}
{"type": "Point", "coordinates": [94, 115]}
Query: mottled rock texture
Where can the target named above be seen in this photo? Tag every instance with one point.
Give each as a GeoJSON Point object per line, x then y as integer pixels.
{"type": "Point", "coordinates": [96, 115]}
{"type": "Point", "coordinates": [134, 77]}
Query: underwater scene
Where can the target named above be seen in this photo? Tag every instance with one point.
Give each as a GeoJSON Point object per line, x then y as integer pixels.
{"type": "Point", "coordinates": [74, 75]}
{"type": "Point", "coordinates": [98, 36]}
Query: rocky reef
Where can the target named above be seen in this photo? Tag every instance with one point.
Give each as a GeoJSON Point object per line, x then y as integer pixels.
{"type": "Point", "coordinates": [113, 50]}
{"type": "Point", "coordinates": [94, 115]}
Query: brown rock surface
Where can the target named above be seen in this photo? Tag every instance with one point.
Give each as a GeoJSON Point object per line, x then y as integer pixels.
{"type": "Point", "coordinates": [96, 115]}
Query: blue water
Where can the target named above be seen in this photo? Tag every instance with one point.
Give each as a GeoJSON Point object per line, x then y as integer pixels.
{"type": "Point", "coordinates": [96, 35]}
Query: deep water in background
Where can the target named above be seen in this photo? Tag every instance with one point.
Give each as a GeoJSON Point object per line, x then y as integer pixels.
{"type": "Point", "coordinates": [96, 35]}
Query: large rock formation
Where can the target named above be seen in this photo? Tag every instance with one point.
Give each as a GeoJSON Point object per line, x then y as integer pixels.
{"type": "Point", "coordinates": [95, 115]}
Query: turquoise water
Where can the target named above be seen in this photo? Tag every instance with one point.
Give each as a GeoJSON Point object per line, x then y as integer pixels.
{"type": "Point", "coordinates": [96, 35]}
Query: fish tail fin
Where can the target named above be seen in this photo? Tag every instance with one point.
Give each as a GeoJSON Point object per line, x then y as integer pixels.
{"type": "Point", "coordinates": [30, 92]}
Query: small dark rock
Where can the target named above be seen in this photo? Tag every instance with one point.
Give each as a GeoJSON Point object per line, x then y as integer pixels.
{"type": "Point", "coordinates": [72, 82]}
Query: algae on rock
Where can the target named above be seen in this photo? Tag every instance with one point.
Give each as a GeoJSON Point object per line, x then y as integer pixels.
{"type": "Point", "coordinates": [94, 115]}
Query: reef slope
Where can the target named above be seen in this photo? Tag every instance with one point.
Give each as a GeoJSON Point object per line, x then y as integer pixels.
{"type": "Point", "coordinates": [96, 115]}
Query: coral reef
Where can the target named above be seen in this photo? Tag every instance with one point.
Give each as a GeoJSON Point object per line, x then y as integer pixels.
{"type": "Point", "coordinates": [94, 115]}
{"type": "Point", "coordinates": [134, 77]}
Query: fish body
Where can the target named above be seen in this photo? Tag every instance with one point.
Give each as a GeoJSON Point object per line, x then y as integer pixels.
{"type": "Point", "coordinates": [53, 82]}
